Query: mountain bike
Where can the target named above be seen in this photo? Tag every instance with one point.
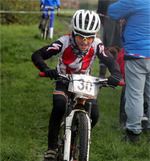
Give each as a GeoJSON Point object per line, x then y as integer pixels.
{"type": "Point", "coordinates": [45, 31]}
{"type": "Point", "coordinates": [75, 131]}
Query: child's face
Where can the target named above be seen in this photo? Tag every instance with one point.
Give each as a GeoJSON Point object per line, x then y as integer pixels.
{"type": "Point", "coordinates": [83, 42]}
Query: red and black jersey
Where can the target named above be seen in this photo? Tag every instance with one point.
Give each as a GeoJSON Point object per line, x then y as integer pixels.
{"type": "Point", "coordinates": [68, 62]}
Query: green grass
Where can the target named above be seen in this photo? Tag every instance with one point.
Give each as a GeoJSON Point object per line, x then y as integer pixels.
{"type": "Point", "coordinates": [26, 102]}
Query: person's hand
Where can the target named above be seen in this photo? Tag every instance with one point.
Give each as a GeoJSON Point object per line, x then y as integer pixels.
{"type": "Point", "coordinates": [52, 73]}
{"type": "Point", "coordinates": [114, 81]}
{"type": "Point", "coordinates": [41, 6]}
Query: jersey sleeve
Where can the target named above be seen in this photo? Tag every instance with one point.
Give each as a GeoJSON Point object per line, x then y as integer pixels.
{"type": "Point", "coordinates": [109, 60]}
{"type": "Point", "coordinates": [45, 53]}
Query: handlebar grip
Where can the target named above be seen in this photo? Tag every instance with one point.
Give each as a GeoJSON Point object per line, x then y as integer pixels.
{"type": "Point", "coordinates": [121, 83]}
{"type": "Point", "coordinates": [42, 74]}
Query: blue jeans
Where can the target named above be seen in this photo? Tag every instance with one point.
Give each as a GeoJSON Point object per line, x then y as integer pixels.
{"type": "Point", "coordinates": [137, 78]}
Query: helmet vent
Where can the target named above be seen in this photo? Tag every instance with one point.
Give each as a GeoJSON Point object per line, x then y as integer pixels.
{"type": "Point", "coordinates": [86, 21]}
{"type": "Point", "coordinates": [75, 21]}
{"type": "Point", "coordinates": [97, 26]}
{"type": "Point", "coordinates": [92, 23]}
{"type": "Point", "coordinates": [80, 21]}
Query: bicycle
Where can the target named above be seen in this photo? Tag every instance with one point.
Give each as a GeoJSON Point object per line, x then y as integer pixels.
{"type": "Point", "coordinates": [75, 131]}
{"type": "Point", "coordinates": [45, 31]}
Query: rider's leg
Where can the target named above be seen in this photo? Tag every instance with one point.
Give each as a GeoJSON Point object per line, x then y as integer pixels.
{"type": "Point", "coordinates": [59, 104]}
{"type": "Point", "coordinates": [45, 14]}
{"type": "Point", "coordinates": [58, 111]}
{"type": "Point", "coordinates": [51, 29]}
{"type": "Point", "coordinates": [41, 23]}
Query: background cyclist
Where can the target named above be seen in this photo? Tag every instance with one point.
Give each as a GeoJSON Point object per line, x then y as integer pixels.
{"type": "Point", "coordinates": [43, 5]}
{"type": "Point", "coordinates": [76, 52]}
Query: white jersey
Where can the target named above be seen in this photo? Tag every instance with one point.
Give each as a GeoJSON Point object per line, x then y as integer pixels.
{"type": "Point", "coordinates": [68, 62]}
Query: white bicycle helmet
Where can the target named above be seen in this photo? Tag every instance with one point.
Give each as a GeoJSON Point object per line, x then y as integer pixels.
{"type": "Point", "coordinates": [86, 23]}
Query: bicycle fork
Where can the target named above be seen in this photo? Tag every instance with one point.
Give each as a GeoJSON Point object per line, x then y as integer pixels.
{"type": "Point", "coordinates": [67, 141]}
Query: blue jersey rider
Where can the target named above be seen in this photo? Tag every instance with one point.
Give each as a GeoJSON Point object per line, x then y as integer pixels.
{"type": "Point", "coordinates": [43, 6]}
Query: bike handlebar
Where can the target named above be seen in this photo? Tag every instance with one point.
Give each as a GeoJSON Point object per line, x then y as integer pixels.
{"type": "Point", "coordinates": [42, 74]}
{"type": "Point", "coordinates": [121, 83]}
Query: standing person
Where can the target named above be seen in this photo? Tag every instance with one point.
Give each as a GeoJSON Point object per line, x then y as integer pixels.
{"type": "Point", "coordinates": [123, 117]}
{"type": "Point", "coordinates": [43, 5]}
{"type": "Point", "coordinates": [76, 52]}
{"type": "Point", "coordinates": [110, 30]}
{"type": "Point", "coordinates": [136, 42]}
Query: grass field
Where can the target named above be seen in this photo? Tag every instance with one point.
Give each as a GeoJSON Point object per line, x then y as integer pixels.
{"type": "Point", "coordinates": [26, 103]}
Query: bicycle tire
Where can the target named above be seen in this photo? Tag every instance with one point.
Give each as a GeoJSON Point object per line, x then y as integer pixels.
{"type": "Point", "coordinates": [79, 138]}
{"type": "Point", "coordinates": [59, 155]}
{"type": "Point", "coordinates": [45, 30]}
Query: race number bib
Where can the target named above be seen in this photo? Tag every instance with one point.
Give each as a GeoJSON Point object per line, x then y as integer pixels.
{"type": "Point", "coordinates": [84, 84]}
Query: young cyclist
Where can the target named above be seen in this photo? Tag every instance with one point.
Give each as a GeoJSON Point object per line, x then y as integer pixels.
{"type": "Point", "coordinates": [49, 3]}
{"type": "Point", "coordinates": [76, 52]}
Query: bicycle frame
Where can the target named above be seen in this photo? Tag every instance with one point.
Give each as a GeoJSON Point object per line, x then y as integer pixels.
{"type": "Point", "coordinates": [68, 125]}
{"type": "Point", "coordinates": [88, 87]}
{"type": "Point", "coordinates": [69, 122]}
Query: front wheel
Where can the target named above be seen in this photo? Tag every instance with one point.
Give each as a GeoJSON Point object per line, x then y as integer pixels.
{"type": "Point", "coordinates": [80, 138]}
{"type": "Point", "coordinates": [45, 29]}
{"type": "Point", "coordinates": [59, 156]}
